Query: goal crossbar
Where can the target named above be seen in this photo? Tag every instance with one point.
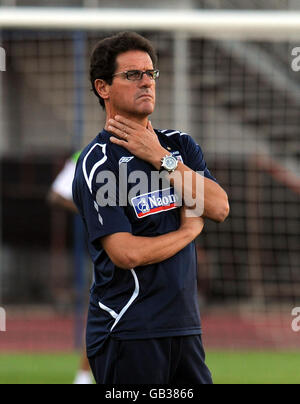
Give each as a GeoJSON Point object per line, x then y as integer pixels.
{"type": "Point", "coordinates": [245, 25]}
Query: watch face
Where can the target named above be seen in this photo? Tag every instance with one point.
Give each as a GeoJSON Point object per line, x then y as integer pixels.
{"type": "Point", "coordinates": [171, 163]}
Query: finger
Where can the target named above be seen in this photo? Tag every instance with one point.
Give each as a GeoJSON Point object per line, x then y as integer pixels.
{"type": "Point", "coordinates": [124, 128]}
{"type": "Point", "coordinates": [127, 122]}
{"type": "Point", "coordinates": [119, 142]}
{"type": "Point", "coordinates": [118, 132]}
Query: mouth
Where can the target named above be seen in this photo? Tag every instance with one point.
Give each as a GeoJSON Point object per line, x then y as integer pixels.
{"type": "Point", "coordinates": [148, 96]}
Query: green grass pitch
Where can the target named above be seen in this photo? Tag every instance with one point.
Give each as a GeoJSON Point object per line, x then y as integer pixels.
{"type": "Point", "coordinates": [254, 367]}
{"type": "Point", "coordinates": [226, 367]}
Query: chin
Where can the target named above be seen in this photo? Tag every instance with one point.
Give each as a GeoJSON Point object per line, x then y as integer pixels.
{"type": "Point", "coordinates": [146, 110]}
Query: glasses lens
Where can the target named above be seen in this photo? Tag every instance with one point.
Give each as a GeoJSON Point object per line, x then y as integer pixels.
{"type": "Point", "coordinates": [151, 74]}
{"type": "Point", "coordinates": [155, 74]}
{"type": "Point", "coordinates": [134, 75]}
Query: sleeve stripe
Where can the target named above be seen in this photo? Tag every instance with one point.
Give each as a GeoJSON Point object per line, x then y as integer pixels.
{"type": "Point", "coordinates": [172, 133]}
{"type": "Point", "coordinates": [176, 132]}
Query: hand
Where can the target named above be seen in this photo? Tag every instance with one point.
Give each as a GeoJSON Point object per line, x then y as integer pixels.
{"type": "Point", "coordinates": [194, 224]}
{"type": "Point", "coordinates": [140, 141]}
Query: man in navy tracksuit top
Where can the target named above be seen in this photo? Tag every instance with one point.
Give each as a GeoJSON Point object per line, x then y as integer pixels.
{"type": "Point", "coordinates": [144, 322]}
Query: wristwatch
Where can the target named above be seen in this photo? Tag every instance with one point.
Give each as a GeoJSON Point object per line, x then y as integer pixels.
{"type": "Point", "coordinates": [169, 163]}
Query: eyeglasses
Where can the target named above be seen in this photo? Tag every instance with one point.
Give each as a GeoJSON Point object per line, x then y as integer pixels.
{"type": "Point", "coordinates": [137, 75]}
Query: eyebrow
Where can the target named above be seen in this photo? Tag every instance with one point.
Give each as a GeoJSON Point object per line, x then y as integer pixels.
{"type": "Point", "coordinates": [136, 68]}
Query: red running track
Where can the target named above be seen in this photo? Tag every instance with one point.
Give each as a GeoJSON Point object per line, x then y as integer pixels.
{"type": "Point", "coordinates": [220, 331]}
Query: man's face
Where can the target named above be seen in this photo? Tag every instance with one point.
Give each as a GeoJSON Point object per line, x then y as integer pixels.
{"type": "Point", "coordinates": [132, 98]}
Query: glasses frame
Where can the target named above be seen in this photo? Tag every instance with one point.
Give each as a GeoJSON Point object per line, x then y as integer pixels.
{"type": "Point", "coordinates": [155, 71]}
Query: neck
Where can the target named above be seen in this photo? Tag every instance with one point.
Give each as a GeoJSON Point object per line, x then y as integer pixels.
{"type": "Point", "coordinates": [140, 119]}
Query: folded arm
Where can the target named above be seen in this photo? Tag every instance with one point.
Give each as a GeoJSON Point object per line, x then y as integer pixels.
{"type": "Point", "coordinates": [213, 200]}
{"type": "Point", "coordinates": [127, 251]}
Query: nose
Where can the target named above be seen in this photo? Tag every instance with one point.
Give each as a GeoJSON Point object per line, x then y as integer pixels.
{"type": "Point", "coordinates": [146, 81]}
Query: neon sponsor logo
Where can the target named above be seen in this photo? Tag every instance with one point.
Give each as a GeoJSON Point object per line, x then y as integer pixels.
{"type": "Point", "coordinates": [155, 202]}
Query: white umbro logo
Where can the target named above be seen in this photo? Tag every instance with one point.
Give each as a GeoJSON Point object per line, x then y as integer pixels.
{"type": "Point", "coordinates": [125, 160]}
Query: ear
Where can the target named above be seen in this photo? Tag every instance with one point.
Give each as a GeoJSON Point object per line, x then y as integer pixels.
{"type": "Point", "coordinates": [102, 88]}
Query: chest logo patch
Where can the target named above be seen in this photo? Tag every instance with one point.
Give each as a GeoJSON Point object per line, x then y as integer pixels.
{"type": "Point", "coordinates": [125, 160]}
{"type": "Point", "coordinates": [155, 202]}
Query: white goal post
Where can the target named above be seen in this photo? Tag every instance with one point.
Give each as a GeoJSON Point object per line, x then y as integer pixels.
{"type": "Point", "coordinates": [246, 24]}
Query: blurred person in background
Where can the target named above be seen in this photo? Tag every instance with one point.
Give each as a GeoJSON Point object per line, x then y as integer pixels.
{"type": "Point", "coordinates": [61, 190]}
{"type": "Point", "coordinates": [60, 195]}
